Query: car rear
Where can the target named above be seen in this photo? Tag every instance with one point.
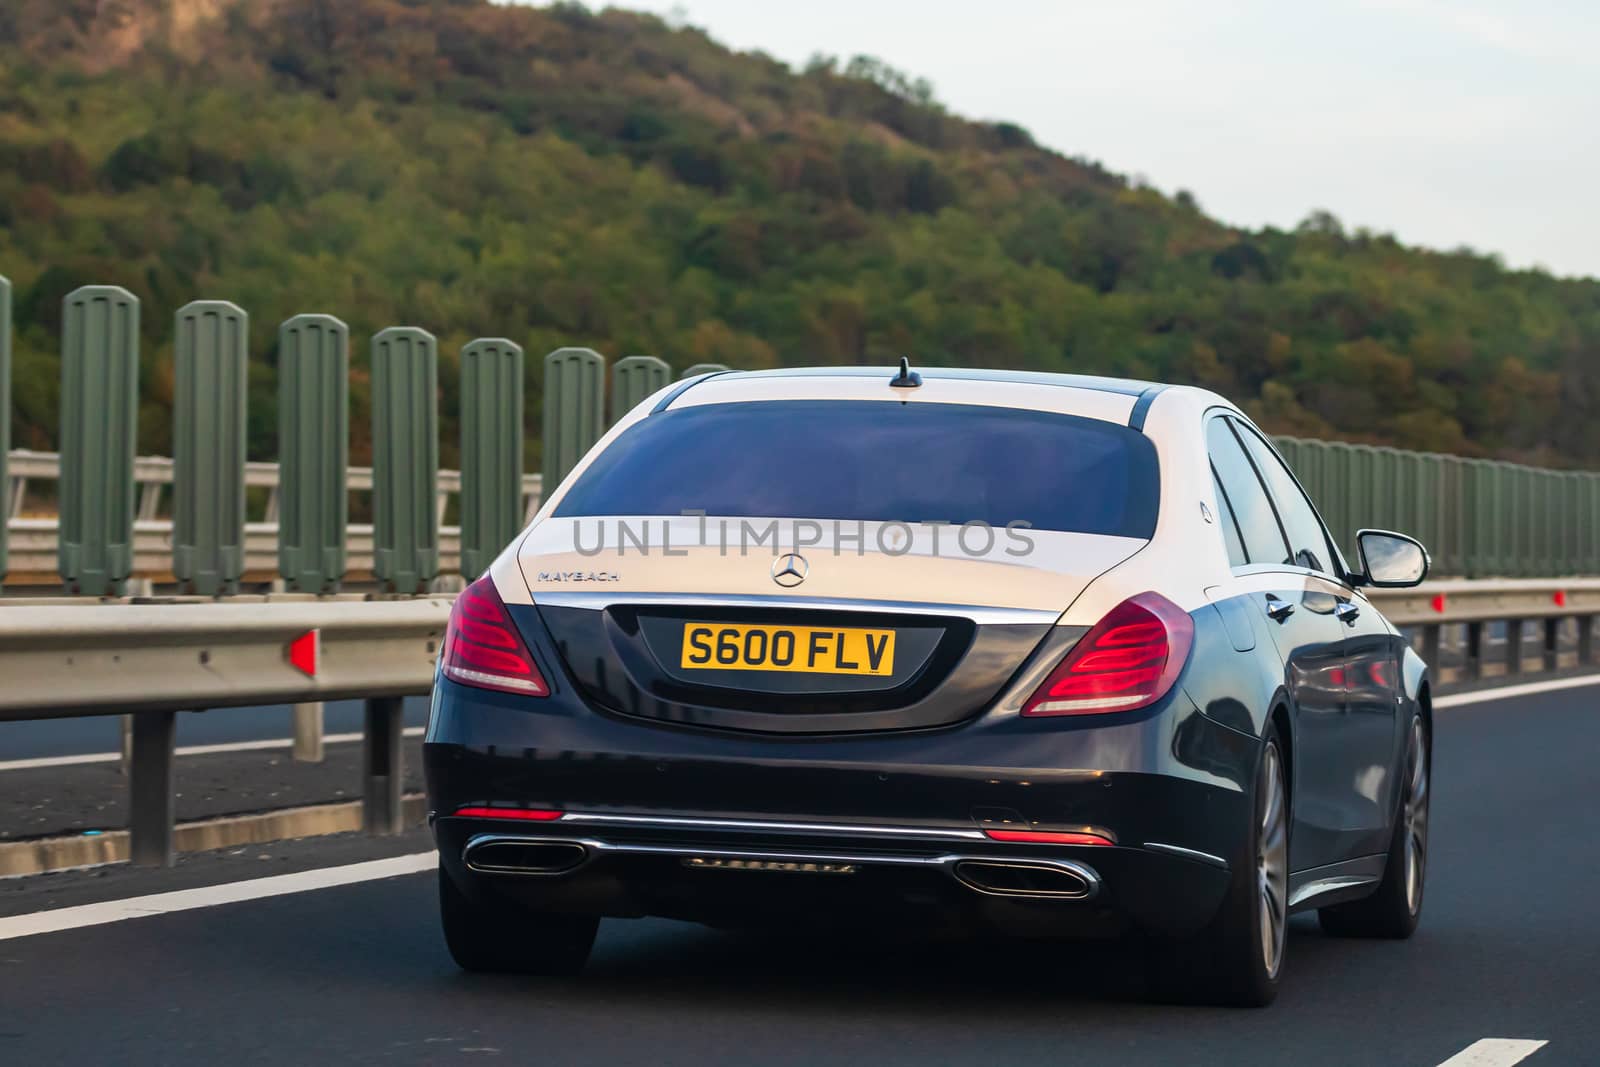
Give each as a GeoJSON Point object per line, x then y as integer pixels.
{"type": "Point", "coordinates": [790, 647]}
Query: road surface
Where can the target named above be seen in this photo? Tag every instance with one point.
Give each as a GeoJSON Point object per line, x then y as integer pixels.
{"type": "Point", "coordinates": [1509, 949]}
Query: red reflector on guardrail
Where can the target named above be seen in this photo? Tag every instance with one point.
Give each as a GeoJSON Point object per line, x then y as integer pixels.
{"type": "Point", "coordinates": [305, 651]}
{"type": "Point", "coordinates": [1560, 598]}
{"type": "Point", "coordinates": [1438, 603]}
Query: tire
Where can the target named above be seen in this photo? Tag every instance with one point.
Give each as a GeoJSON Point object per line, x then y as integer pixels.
{"type": "Point", "coordinates": [1236, 960]}
{"type": "Point", "coordinates": [1394, 910]}
{"type": "Point", "coordinates": [499, 937]}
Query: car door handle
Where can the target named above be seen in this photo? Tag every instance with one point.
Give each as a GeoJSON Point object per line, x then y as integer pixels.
{"type": "Point", "coordinates": [1278, 610]}
{"type": "Point", "coordinates": [1347, 612]}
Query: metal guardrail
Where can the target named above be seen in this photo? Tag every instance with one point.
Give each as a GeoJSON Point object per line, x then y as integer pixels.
{"type": "Point", "coordinates": [151, 659]}
{"type": "Point", "coordinates": [1476, 605]}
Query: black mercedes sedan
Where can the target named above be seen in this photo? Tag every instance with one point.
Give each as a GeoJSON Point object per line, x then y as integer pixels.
{"type": "Point", "coordinates": [1017, 654]}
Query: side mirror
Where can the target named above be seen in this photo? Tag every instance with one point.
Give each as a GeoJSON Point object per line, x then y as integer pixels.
{"type": "Point", "coordinates": [1391, 560]}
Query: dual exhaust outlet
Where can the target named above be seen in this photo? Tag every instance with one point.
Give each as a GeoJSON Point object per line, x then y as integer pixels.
{"type": "Point", "coordinates": [1037, 879]}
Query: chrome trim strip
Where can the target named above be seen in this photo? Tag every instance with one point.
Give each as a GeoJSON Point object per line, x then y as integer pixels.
{"type": "Point", "coordinates": [1327, 885]}
{"type": "Point", "coordinates": [946, 862]}
{"type": "Point", "coordinates": [983, 615]}
{"type": "Point", "coordinates": [762, 826]}
{"type": "Point", "coordinates": [1188, 853]}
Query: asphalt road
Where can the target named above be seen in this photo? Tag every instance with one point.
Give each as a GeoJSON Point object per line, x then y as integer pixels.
{"type": "Point", "coordinates": [1509, 948]}
{"type": "Point", "coordinates": [103, 733]}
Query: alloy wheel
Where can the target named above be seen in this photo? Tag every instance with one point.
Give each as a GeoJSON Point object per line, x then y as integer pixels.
{"type": "Point", "coordinates": [1416, 815]}
{"type": "Point", "coordinates": [1272, 862]}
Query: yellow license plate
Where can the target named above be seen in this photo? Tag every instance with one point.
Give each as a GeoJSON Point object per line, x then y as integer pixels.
{"type": "Point", "coordinates": [807, 649]}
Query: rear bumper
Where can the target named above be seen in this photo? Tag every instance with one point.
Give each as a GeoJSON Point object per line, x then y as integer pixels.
{"type": "Point", "coordinates": [733, 828]}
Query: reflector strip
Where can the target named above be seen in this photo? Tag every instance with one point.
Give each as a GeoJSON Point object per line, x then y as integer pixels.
{"type": "Point", "coordinates": [1048, 837]}
{"type": "Point", "coordinates": [525, 814]}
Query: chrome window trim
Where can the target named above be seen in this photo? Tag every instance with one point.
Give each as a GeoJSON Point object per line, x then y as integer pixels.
{"type": "Point", "coordinates": [991, 616]}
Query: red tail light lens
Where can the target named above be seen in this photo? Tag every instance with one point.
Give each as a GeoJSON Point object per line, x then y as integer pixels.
{"type": "Point", "coordinates": [523, 814]}
{"type": "Point", "coordinates": [483, 648]}
{"type": "Point", "coordinates": [1047, 837]}
{"type": "Point", "coordinates": [1128, 661]}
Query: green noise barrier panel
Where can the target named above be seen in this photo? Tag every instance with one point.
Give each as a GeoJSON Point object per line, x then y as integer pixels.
{"type": "Point", "coordinates": [405, 458]}
{"type": "Point", "coordinates": [208, 446]}
{"type": "Point", "coordinates": [633, 379]}
{"type": "Point", "coordinates": [1478, 518]}
{"type": "Point", "coordinates": [491, 450]}
{"type": "Point", "coordinates": [99, 418]}
{"type": "Point", "coordinates": [574, 399]}
{"type": "Point", "coordinates": [313, 451]}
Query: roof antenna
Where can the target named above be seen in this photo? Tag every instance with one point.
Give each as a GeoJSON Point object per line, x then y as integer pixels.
{"type": "Point", "coordinates": [908, 378]}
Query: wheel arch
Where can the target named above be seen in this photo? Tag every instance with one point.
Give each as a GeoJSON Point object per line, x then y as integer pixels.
{"type": "Point", "coordinates": [1280, 717]}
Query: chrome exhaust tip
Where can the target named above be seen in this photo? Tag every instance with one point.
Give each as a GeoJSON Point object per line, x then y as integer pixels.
{"type": "Point", "coordinates": [523, 855]}
{"type": "Point", "coordinates": [1037, 880]}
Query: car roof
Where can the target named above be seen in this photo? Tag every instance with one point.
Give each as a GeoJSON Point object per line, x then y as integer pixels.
{"type": "Point", "coordinates": [1099, 383]}
{"type": "Point", "coordinates": [1124, 400]}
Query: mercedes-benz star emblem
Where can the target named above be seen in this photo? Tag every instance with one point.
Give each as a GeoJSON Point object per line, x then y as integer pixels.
{"type": "Point", "coordinates": [790, 570]}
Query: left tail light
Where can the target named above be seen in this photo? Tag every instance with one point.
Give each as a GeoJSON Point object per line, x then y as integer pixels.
{"type": "Point", "coordinates": [1128, 661]}
{"type": "Point", "coordinates": [483, 648]}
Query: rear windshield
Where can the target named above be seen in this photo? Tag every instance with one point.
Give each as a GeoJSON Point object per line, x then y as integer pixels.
{"type": "Point", "coordinates": [877, 461]}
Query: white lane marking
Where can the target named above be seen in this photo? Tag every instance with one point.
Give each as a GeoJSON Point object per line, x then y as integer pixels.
{"type": "Point", "coordinates": [111, 911]}
{"type": "Point", "coordinates": [1494, 1052]}
{"type": "Point", "coordinates": [185, 750]}
{"type": "Point", "coordinates": [1506, 692]}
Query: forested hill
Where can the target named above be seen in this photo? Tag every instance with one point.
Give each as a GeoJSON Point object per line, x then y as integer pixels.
{"type": "Point", "coordinates": [563, 177]}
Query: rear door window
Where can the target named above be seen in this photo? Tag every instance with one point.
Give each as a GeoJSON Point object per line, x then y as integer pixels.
{"type": "Point", "coordinates": [878, 461]}
{"type": "Point", "coordinates": [1258, 524]}
{"type": "Point", "coordinates": [1230, 525]}
{"type": "Point", "coordinates": [1307, 539]}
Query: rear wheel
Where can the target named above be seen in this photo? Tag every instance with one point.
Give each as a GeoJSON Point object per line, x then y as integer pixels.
{"type": "Point", "coordinates": [501, 937]}
{"type": "Point", "coordinates": [1237, 958]}
{"type": "Point", "coordinates": [1393, 911]}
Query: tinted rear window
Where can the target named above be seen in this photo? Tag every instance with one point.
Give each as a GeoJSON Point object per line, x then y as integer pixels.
{"type": "Point", "coordinates": [878, 461]}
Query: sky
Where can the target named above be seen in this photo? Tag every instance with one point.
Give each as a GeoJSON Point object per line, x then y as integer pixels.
{"type": "Point", "coordinates": [1444, 122]}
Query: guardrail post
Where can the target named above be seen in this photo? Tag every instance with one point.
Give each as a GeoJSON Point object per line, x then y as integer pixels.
{"type": "Point", "coordinates": [574, 399]}
{"type": "Point", "coordinates": [313, 452]}
{"type": "Point", "coordinates": [1473, 665]}
{"type": "Point", "coordinates": [211, 338]}
{"type": "Point", "coordinates": [308, 732]}
{"type": "Point", "coordinates": [405, 458]}
{"type": "Point", "coordinates": [703, 368]}
{"type": "Point", "coordinates": [1514, 646]}
{"type": "Point", "coordinates": [6, 504]}
{"type": "Point", "coordinates": [381, 811]}
{"type": "Point", "coordinates": [99, 414]}
{"type": "Point", "coordinates": [1552, 631]}
{"type": "Point", "coordinates": [150, 801]}
{"type": "Point", "coordinates": [491, 450]}
{"type": "Point", "coordinates": [1431, 635]}
{"type": "Point", "coordinates": [1585, 640]}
